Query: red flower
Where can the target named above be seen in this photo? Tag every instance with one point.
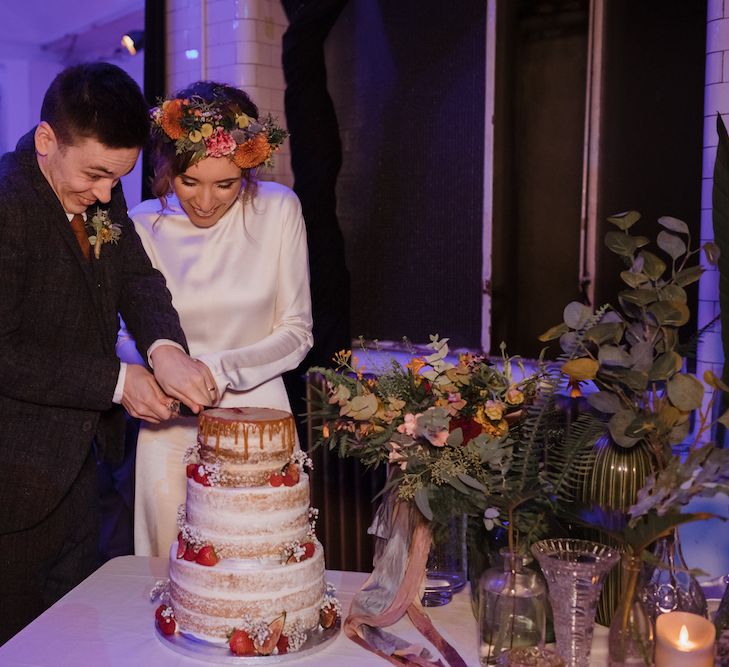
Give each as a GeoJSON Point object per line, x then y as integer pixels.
{"type": "Point", "coordinates": [470, 427]}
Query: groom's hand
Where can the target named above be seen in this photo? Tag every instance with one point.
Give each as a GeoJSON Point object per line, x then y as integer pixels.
{"type": "Point", "coordinates": [143, 398]}
{"type": "Point", "coordinates": [182, 377]}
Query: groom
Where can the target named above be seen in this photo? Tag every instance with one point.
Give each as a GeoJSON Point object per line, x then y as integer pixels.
{"type": "Point", "coordinates": [70, 263]}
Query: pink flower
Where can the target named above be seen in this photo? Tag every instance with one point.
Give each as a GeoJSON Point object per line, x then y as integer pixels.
{"type": "Point", "coordinates": [455, 403]}
{"type": "Point", "coordinates": [437, 439]}
{"type": "Point", "coordinates": [220, 143]}
{"type": "Point", "coordinates": [408, 427]}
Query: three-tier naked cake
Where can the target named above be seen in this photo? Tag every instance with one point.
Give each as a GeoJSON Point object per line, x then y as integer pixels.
{"type": "Point", "coordinates": [247, 568]}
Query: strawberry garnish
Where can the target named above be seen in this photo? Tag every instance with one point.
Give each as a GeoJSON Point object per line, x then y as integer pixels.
{"type": "Point", "coordinates": [158, 612]}
{"type": "Point", "coordinates": [207, 556]}
{"type": "Point", "coordinates": [291, 475]}
{"type": "Point", "coordinates": [181, 546]}
{"type": "Point", "coordinates": [200, 476]}
{"type": "Point", "coordinates": [276, 479]}
{"type": "Point", "coordinates": [308, 548]}
{"type": "Point", "coordinates": [167, 625]}
{"type": "Point", "coordinates": [327, 617]}
{"type": "Point", "coordinates": [282, 645]}
{"type": "Point", "coordinates": [190, 469]}
{"type": "Point", "coordinates": [190, 553]}
{"type": "Point", "coordinates": [241, 643]}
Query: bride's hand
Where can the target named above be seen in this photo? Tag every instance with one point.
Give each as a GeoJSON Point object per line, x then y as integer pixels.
{"type": "Point", "coordinates": [184, 378]}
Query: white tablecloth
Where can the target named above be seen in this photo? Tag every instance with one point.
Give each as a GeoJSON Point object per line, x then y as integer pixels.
{"type": "Point", "coordinates": [108, 621]}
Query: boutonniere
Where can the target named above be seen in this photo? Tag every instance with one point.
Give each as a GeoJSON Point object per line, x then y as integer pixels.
{"type": "Point", "coordinates": [105, 231]}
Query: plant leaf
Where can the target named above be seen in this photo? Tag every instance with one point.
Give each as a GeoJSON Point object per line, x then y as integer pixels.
{"type": "Point", "coordinates": [471, 481]}
{"type": "Point", "coordinates": [640, 427]}
{"type": "Point", "coordinates": [673, 293]}
{"type": "Point", "coordinates": [671, 245]}
{"type": "Point", "coordinates": [617, 425]}
{"type": "Point", "coordinates": [554, 332]}
{"type": "Point", "coordinates": [624, 220]}
{"type": "Point", "coordinates": [634, 279]}
{"type": "Point", "coordinates": [665, 366]}
{"type": "Point", "coordinates": [421, 501]}
{"type": "Point", "coordinates": [605, 332]}
{"type": "Point", "coordinates": [604, 401]}
{"type": "Point", "coordinates": [670, 313]}
{"type": "Point", "coordinates": [688, 276]}
{"type": "Point", "coordinates": [640, 297]}
{"type": "Point", "coordinates": [577, 314]}
{"type": "Point", "coordinates": [612, 355]}
{"type": "Point", "coordinates": [581, 369]}
{"type": "Point", "coordinates": [685, 391]}
{"type": "Point", "coordinates": [712, 253]}
{"type": "Point", "coordinates": [620, 243]}
{"type": "Point", "coordinates": [653, 265]}
{"type": "Point", "coordinates": [673, 224]}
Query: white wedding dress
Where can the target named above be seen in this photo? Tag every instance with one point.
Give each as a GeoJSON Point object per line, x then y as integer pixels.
{"type": "Point", "coordinates": [241, 288]}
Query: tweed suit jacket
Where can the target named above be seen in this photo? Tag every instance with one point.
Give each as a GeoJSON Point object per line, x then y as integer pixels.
{"type": "Point", "coordinates": [59, 317]}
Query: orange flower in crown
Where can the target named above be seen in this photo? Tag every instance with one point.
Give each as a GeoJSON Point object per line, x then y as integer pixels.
{"type": "Point", "coordinates": [209, 129]}
{"type": "Point", "coordinates": [170, 118]}
{"type": "Point", "coordinates": [252, 152]}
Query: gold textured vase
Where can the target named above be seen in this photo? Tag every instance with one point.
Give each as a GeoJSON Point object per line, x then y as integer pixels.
{"type": "Point", "coordinates": [615, 478]}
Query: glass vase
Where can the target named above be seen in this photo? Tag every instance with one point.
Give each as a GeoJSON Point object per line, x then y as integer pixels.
{"type": "Point", "coordinates": [631, 640]}
{"type": "Point", "coordinates": [512, 608]}
{"type": "Point", "coordinates": [446, 568]}
{"type": "Point", "coordinates": [670, 586]}
{"type": "Point", "coordinates": [574, 570]}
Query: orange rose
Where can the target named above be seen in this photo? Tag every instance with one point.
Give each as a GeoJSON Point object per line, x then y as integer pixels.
{"type": "Point", "coordinates": [252, 152]}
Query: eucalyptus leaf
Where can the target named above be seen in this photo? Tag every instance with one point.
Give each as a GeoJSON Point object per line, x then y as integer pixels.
{"type": "Point", "coordinates": [634, 279]}
{"type": "Point", "coordinates": [605, 332]}
{"type": "Point", "coordinates": [679, 433]}
{"type": "Point", "coordinates": [665, 365]}
{"type": "Point", "coordinates": [620, 243]}
{"type": "Point", "coordinates": [617, 425]}
{"type": "Point", "coordinates": [604, 401]}
{"type": "Point", "coordinates": [472, 482]}
{"type": "Point", "coordinates": [554, 332]}
{"type": "Point", "coordinates": [458, 485]}
{"type": "Point", "coordinates": [612, 355]}
{"type": "Point", "coordinates": [654, 266]}
{"type": "Point", "coordinates": [635, 380]}
{"type": "Point", "coordinates": [711, 252]}
{"type": "Point", "coordinates": [724, 419]}
{"type": "Point", "coordinates": [641, 241]}
{"type": "Point", "coordinates": [568, 342]}
{"type": "Point", "coordinates": [455, 438]}
{"type": "Point", "coordinates": [640, 297]}
{"type": "Point", "coordinates": [671, 245]}
{"type": "Point", "coordinates": [640, 427]}
{"type": "Point", "coordinates": [624, 220]}
{"type": "Point", "coordinates": [673, 224]}
{"type": "Point", "coordinates": [641, 356]}
{"type": "Point", "coordinates": [670, 313]}
{"type": "Point", "coordinates": [673, 293]}
{"type": "Point", "coordinates": [714, 381]}
{"type": "Point", "coordinates": [577, 314]}
{"type": "Point", "coordinates": [687, 276]}
{"type": "Point", "coordinates": [685, 391]}
{"type": "Point", "coordinates": [422, 503]}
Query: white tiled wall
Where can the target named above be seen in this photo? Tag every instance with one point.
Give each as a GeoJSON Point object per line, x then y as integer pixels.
{"type": "Point", "coordinates": [242, 41]}
{"type": "Point", "coordinates": [716, 99]}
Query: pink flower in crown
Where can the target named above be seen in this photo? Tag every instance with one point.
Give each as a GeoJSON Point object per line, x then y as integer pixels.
{"type": "Point", "coordinates": [220, 143]}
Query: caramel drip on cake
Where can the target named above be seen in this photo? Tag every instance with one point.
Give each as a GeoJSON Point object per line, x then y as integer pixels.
{"type": "Point", "coordinates": [210, 426]}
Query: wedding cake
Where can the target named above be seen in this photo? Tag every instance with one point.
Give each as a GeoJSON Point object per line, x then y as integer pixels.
{"type": "Point", "coordinates": [247, 568]}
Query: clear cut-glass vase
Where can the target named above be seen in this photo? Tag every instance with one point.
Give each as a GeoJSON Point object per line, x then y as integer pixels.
{"type": "Point", "coordinates": [574, 570]}
{"type": "Point", "coordinates": [512, 608]}
{"type": "Point", "coordinates": [631, 640]}
{"type": "Point", "coordinates": [670, 586]}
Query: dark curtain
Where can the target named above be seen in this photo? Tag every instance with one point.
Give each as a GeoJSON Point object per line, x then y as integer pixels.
{"type": "Point", "coordinates": [154, 69]}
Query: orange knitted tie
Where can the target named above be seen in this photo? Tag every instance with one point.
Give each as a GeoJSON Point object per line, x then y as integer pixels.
{"type": "Point", "coordinates": [79, 229]}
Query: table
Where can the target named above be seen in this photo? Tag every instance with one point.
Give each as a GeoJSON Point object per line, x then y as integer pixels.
{"type": "Point", "coordinates": [108, 621]}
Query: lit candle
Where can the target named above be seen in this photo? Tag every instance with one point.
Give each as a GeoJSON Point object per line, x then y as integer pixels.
{"type": "Point", "coordinates": [684, 640]}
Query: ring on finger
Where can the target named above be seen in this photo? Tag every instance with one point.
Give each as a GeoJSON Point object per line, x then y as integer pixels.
{"type": "Point", "coordinates": [173, 406]}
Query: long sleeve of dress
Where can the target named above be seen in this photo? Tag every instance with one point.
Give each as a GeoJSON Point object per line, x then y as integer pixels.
{"type": "Point", "coordinates": [290, 339]}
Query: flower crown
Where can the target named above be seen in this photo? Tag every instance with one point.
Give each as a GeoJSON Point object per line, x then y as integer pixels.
{"type": "Point", "coordinates": [217, 130]}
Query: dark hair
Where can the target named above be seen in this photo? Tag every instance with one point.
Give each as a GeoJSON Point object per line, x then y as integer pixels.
{"type": "Point", "coordinates": [99, 101]}
{"type": "Point", "coordinates": [168, 164]}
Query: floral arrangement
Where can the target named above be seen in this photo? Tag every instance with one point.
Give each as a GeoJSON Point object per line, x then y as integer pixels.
{"type": "Point", "coordinates": [105, 231]}
{"type": "Point", "coordinates": [216, 130]}
{"type": "Point", "coordinates": [444, 428]}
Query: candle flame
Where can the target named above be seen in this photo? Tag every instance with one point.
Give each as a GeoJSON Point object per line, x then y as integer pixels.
{"type": "Point", "coordinates": [683, 637]}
